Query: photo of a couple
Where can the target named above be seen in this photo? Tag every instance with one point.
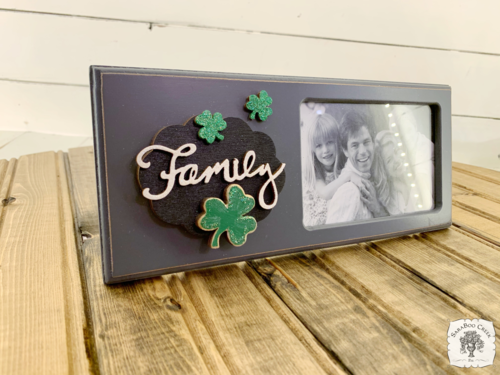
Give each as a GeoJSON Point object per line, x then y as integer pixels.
{"type": "Point", "coordinates": [364, 161]}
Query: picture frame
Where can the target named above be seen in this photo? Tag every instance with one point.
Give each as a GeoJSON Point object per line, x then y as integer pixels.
{"type": "Point", "coordinates": [132, 105]}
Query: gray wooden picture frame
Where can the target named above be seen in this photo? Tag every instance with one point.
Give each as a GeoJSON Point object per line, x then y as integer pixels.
{"type": "Point", "coordinates": [130, 105]}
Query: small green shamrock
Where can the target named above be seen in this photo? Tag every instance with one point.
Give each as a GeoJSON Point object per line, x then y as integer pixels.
{"type": "Point", "coordinates": [211, 126]}
{"type": "Point", "coordinates": [260, 105]}
{"type": "Point", "coordinates": [228, 216]}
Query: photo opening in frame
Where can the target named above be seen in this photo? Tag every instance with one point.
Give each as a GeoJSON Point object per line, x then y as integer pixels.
{"type": "Point", "coordinates": [365, 161]}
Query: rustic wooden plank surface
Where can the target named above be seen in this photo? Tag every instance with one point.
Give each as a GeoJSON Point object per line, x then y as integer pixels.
{"type": "Point", "coordinates": [182, 302]}
{"type": "Point", "coordinates": [478, 205]}
{"type": "Point", "coordinates": [3, 170]}
{"type": "Point", "coordinates": [482, 225]}
{"type": "Point", "coordinates": [482, 173]}
{"type": "Point", "coordinates": [421, 313]}
{"type": "Point", "coordinates": [137, 328]}
{"type": "Point", "coordinates": [303, 334]}
{"type": "Point", "coordinates": [471, 288]}
{"type": "Point", "coordinates": [484, 188]}
{"type": "Point", "coordinates": [467, 249]}
{"type": "Point", "coordinates": [476, 201]}
{"type": "Point", "coordinates": [41, 316]}
{"type": "Point", "coordinates": [328, 311]}
{"type": "Point", "coordinates": [348, 328]}
{"type": "Point", "coordinates": [75, 319]}
{"type": "Point", "coordinates": [250, 336]}
{"type": "Point", "coordinates": [6, 175]}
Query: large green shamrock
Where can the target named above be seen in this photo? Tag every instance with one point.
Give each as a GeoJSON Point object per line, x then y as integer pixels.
{"type": "Point", "coordinates": [211, 126]}
{"type": "Point", "coordinates": [260, 105]}
{"type": "Point", "coordinates": [221, 217]}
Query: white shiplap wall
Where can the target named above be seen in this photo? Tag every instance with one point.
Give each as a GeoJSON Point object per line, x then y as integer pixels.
{"type": "Point", "coordinates": [48, 45]}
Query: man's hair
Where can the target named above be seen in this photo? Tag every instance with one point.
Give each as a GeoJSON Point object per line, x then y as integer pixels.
{"type": "Point", "coordinates": [351, 123]}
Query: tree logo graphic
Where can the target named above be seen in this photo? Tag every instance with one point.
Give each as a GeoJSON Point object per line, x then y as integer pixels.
{"type": "Point", "coordinates": [471, 343]}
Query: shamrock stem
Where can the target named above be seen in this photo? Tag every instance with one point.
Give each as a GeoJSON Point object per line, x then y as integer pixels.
{"type": "Point", "coordinates": [219, 136]}
{"type": "Point", "coordinates": [215, 238]}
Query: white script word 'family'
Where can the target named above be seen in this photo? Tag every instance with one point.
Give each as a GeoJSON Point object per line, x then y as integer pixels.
{"type": "Point", "coordinates": [188, 175]}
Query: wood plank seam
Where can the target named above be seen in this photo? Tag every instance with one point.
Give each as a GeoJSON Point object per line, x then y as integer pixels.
{"type": "Point", "coordinates": [485, 241]}
{"type": "Point", "coordinates": [285, 275]}
{"type": "Point", "coordinates": [475, 233]}
{"type": "Point", "coordinates": [349, 337]}
{"type": "Point", "coordinates": [417, 279]}
{"type": "Point", "coordinates": [476, 211]}
{"type": "Point", "coordinates": [6, 187]}
{"type": "Point", "coordinates": [473, 192]}
{"type": "Point", "coordinates": [453, 296]}
{"type": "Point", "coordinates": [476, 175]}
{"type": "Point", "coordinates": [246, 329]}
{"type": "Point", "coordinates": [42, 308]}
{"type": "Point", "coordinates": [64, 260]}
{"type": "Point", "coordinates": [231, 363]}
{"type": "Point", "coordinates": [328, 361]}
{"type": "Point", "coordinates": [419, 283]}
{"type": "Point", "coordinates": [90, 344]}
{"type": "Point", "coordinates": [205, 345]}
{"type": "Point", "coordinates": [73, 308]}
{"type": "Point", "coordinates": [374, 303]}
{"type": "Point", "coordinates": [466, 261]}
{"type": "Point", "coordinates": [257, 269]}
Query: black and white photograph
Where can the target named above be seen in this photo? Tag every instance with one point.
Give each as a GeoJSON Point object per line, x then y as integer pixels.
{"type": "Point", "coordinates": [365, 161]}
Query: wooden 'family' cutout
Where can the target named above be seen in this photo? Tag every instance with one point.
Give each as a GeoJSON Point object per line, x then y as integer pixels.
{"type": "Point", "coordinates": [180, 170]}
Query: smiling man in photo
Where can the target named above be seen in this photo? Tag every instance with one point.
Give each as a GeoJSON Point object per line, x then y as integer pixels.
{"type": "Point", "coordinates": [354, 202]}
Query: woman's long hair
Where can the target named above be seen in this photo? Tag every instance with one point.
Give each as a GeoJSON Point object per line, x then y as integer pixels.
{"type": "Point", "coordinates": [324, 128]}
{"type": "Point", "coordinates": [384, 186]}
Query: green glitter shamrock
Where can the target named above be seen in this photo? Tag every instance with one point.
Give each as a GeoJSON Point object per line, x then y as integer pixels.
{"type": "Point", "coordinates": [228, 216]}
{"type": "Point", "coordinates": [260, 105]}
{"type": "Point", "coordinates": [211, 126]}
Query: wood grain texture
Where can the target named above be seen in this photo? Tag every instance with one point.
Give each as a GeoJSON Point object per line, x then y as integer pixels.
{"type": "Point", "coordinates": [486, 189]}
{"type": "Point", "coordinates": [484, 226]}
{"type": "Point", "coordinates": [471, 288]}
{"type": "Point", "coordinates": [457, 191]}
{"type": "Point", "coordinates": [249, 334]}
{"type": "Point", "coordinates": [136, 327]}
{"type": "Point", "coordinates": [467, 249]}
{"type": "Point", "coordinates": [419, 313]}
{"type": "Point", "coordinates": [327, 363]}
{"type": "Point", "coordinates": [82, 165]}
{"type": "Point", "coordinates": [478, 205]}
{"type": "Point", "coordinates": [7, 169]}
{"type": "Point", "coordinates": [41, 317]}
{"type": "Point", "coordinates": [345, 326]}
{"type": "Point", "coordinates": [76, 322]}
{"type": "Point", "coordinates": [208, 350]}
{"type": "Point", "coordinates": [482, 173]}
